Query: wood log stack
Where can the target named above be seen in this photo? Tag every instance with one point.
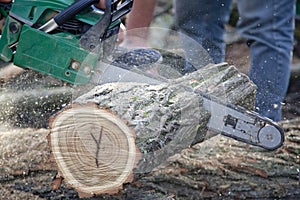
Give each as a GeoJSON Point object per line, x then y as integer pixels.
{"type": "Point", "coordinates": [217, 168]}
{"type": "Point", "coordinates": [118, 132]}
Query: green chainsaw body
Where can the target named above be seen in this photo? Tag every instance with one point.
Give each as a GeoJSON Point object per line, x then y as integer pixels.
{"type": "Point", "coordinates": [57, 53]}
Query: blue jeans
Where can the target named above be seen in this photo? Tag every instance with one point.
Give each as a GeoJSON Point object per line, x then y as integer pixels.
{"type": "Point", "coordinates": [266, 25]}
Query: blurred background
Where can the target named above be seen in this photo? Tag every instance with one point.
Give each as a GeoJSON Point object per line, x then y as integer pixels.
{"type": "Point", "coordinates": [237, 52]}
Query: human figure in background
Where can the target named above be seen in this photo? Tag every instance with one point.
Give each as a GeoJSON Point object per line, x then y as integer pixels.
{"type": "Point", "coordinates": [268, 28]}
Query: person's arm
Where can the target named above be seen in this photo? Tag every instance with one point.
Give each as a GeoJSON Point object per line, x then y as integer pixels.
{"type": "Point", "coordinates": [138, 22]}
{"type": "Point", "coordinates": [5, 1]}
{"type": "Point", "coordinates": [100, 4]}
{"type": "Point", "coordinates": [141, 14]}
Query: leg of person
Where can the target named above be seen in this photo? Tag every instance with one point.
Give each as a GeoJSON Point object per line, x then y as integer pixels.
{"type": "Point", "coordinates": [203, 21]}
{"type": "Point", "coordinates": [268, 27]}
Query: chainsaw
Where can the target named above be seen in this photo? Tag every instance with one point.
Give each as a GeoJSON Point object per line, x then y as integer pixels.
{"type": "Point", "coordinates": [36, 32]}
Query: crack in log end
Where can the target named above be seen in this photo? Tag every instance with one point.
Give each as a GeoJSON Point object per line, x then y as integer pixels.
{"type": "Point", "coordinates": [98, 145]}
{"type": "Point", "coordinates": [95, 150]}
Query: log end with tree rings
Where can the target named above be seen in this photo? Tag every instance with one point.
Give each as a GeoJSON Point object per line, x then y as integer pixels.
{"type": "Point", "coordinates": [92, 158]}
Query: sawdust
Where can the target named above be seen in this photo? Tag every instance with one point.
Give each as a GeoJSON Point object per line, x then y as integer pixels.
{"type": "Point", "coordinates": [23, 151]}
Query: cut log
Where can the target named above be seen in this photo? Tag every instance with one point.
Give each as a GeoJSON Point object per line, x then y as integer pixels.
{"type": "Point", "coordinates": [120, 131]}
{"type": "Point", "coordinates": [105, 146]}
{"type": "Point", "coordinates": [218, 168]}
{"type": "Point", "coordinates": [23, 151]}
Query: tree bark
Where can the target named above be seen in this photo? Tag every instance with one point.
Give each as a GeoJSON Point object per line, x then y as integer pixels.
{"type": "Point", "coordinates": [218, 168]}
{"type": "Point", "coordinates": [121, 131]}
{"type": "Point", "coordinates": [221, 168]}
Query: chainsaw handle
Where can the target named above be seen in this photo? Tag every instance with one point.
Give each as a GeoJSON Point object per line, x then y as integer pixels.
{"type": "Point", "coordinates": [92, 37]}
{"type": "Point", "coordinates": [72, 10]}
